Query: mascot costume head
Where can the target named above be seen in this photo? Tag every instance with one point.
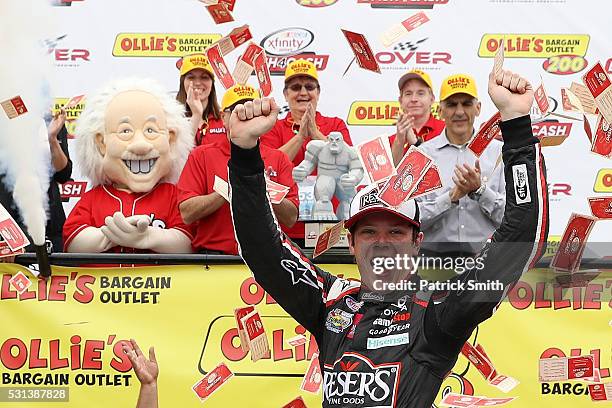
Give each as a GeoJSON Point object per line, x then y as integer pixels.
{"type": "Point", "coordinates": [133, 134]}
{"type": "Point", "coordinates": [132, 141]}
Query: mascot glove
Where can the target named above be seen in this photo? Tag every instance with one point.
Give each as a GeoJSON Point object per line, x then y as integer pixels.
{"type": "Point", "coordinates": [130, 232]}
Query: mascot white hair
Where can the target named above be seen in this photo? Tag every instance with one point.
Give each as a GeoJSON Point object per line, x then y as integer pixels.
{"type": "Point", "coordinates": [91, 123]}
{"type": "Point", "coordinates": [132, 141]}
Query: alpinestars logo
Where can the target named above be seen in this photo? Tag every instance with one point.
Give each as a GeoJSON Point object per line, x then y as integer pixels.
{"type": "Point", "coordinates": [298, 273]}
{"type": "Point", "coordinates": [355, 380]}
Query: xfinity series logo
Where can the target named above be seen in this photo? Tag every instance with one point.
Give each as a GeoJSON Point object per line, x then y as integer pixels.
{"type": "Point", "coordinates": [355, 380]}
{"type": "Point", "coordinates": [288, 41]}
{"type": "Point", "coordinates": [289, 44]}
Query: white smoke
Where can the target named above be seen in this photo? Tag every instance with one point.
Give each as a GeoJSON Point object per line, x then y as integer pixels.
{"type": "Point", "coordinates": [26, 71]}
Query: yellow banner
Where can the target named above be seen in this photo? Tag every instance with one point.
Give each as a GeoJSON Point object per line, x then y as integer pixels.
{"type": "Point", "coordinates": [161, 44]}
{"type": "Point", "coordinates": [373, 113]}
{"type": "Point", "coordinates": [603, 181]}
{"type": "Point", "coordinates": [379, 113]}
{"type": "Point", "coordinates": [534, 45]}
{"type": "Point", "coordinates": [72, 113]}
{"type": "Point", "coordinates": [65, 332]}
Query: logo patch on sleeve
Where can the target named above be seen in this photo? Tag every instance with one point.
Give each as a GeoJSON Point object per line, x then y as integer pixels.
{"type": "Point", "coordinates": [521, 184]}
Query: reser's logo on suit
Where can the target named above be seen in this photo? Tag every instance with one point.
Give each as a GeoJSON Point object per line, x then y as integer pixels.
{"type": "Point", "coordinates": [354, 379]}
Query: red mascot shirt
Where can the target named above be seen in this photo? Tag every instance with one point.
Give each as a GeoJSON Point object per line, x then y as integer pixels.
{"type": "Point", "coordinates": [95, 205]}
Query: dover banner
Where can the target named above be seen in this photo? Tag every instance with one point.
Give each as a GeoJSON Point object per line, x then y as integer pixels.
{"type": "Point", "coordinates": [67, 332]}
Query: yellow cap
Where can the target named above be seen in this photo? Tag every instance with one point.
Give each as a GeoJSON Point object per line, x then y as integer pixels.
{"type": "Point", "coordinates": [191, 62]}
{"type": "Point", "coordinates": [301, 67]}
{"type": "Point", "coordinates": [458, 83]}
{"type": "Point", "coordinates": [238, 93]}
{"type": "Point", "coordinates": [415, 74]}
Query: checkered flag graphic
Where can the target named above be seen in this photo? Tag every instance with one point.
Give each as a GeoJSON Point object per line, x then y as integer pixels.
{"type": "Point", "coordinates": [408, 45]}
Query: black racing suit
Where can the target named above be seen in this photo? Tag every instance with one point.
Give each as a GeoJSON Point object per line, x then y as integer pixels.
{"type": "Point", "coordinates": [393, 350]}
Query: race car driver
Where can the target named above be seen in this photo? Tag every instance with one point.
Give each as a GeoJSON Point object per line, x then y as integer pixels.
{"type": "Point", "coordinates": [381, 348]}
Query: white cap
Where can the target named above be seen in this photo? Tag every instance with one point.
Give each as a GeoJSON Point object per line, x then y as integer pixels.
{"type": "Point", "coordinates": [366, 201]}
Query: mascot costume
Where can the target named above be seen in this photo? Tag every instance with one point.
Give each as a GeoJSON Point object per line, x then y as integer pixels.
{"type": "Point", "coordinates": [132, 141]}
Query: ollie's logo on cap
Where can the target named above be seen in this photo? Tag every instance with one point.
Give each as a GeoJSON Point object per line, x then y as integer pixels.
{"type": "Point", "coordinates": [458, 82]}
{"type": "Point", "coordinates": [300, 67]}
{"type": "Point", "coordinates": [198, 60]}
{"type": "Point", "coordinates": [243, 91]}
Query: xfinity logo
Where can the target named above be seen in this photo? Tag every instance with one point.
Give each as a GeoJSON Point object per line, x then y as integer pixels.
{"type": "Point", "coordinates": [355, 380]}
{"type": "Point", "coordinates": [288, 41]}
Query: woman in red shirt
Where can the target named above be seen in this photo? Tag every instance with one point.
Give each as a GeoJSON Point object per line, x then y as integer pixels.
{"type": "Point", "coordinates": [197, 92]}
{"type": "Point", "coordinates": [303, 123]}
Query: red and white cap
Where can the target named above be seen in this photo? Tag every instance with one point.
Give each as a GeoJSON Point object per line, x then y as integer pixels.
{"type": "Point", "coordinates": [366, 202]}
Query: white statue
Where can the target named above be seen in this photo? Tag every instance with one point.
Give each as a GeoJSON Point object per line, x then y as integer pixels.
{"type": "Point", "coordinates": [338, 173]}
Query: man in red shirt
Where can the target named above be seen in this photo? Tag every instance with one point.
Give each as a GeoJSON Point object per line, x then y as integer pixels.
{"type": "Point", "coordinates": [303, 123]}
{"type": "Point", "coordinates": [415, 123]}
{"type": "Point", "coordinates": [205, 208]}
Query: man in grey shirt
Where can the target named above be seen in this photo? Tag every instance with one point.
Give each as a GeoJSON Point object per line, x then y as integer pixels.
{"type": "Point", "coordinates": [461, 216]}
